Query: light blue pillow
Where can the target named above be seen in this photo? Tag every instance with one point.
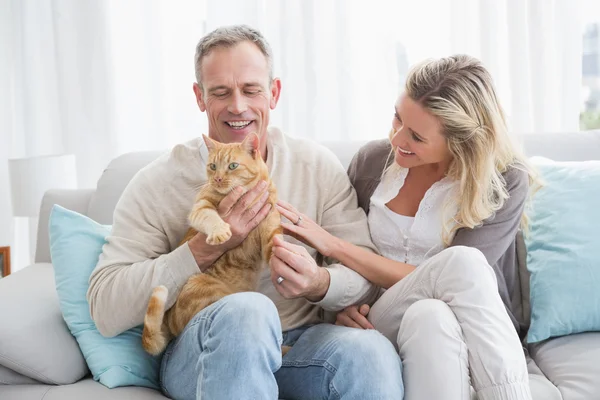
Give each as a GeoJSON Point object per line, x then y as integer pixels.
{"type": "Point", "coordinates": [563, 250]}
{"type": "Point", "coordinates": [75, 245]}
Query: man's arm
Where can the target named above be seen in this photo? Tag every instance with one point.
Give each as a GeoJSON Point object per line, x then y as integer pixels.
{"type": "Point", "coordinates": [136, 257]}
{"type": "Point", "coordinates": [344, 219]}
{"type": "Point", "coordinates": [335, 286]}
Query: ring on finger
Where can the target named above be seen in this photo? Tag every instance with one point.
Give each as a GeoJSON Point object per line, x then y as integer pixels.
{"type": "Point", "coordinates": [279, 280]}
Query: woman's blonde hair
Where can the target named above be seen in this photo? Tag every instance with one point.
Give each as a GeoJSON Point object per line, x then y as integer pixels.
{"type": "Point", "coordinates": [459, 91]}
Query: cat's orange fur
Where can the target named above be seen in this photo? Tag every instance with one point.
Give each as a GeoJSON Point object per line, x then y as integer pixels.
{"type": "Point", "coordinates": [238, 270]}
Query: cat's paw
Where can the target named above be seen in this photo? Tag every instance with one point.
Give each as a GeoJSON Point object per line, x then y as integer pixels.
{"type": "Point", "coordinates": [219, 235]}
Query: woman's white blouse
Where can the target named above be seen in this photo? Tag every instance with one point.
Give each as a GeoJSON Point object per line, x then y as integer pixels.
{"type": "Point", "coordinates": [411, 240]}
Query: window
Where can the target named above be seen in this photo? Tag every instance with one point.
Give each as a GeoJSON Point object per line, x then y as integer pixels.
{"type": "Point", "coordinates": [590, 67]}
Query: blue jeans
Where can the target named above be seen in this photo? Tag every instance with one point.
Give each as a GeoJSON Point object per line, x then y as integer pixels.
{"type": "Point", "coordinates": [231, 350]}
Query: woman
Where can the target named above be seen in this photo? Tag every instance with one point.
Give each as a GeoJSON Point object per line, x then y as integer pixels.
{"type": "Point", "coordinates": [445, 199]}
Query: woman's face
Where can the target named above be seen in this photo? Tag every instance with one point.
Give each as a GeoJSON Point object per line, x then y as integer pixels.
{"type": "Point", "coordinates": [417, 136]}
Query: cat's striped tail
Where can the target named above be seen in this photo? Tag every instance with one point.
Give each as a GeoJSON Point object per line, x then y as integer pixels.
{"type": "Point", "coordinates": [154, 337]}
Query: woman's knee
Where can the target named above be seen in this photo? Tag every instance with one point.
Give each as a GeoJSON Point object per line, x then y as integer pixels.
{"type": "Point", "coordinates": [427, 314]}
{"type": "Point", "coordinates": [427, 322]}
{"type": "Point", "coordinates": [467, 262]}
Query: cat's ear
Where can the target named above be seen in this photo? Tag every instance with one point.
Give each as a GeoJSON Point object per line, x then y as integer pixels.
{"type": "Point", "coordinates": [210, 144]}
{"type": "Point", "coordinates": [251, 143]}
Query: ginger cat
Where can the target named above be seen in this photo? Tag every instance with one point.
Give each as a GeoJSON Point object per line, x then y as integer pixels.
{"type": "Point", "coordinates": [238, 270]}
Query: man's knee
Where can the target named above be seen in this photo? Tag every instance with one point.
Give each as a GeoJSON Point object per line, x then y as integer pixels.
{"type": "Point", "coordinates": [372, 357]}
{"type": "Point", "coordinates": [247, 315]}
{"type": "Point", "coordinates": [369, 349]}
{"type": "Point", "coordinates": [248, 305]}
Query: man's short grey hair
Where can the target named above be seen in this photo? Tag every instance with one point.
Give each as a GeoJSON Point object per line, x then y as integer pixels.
{"type": "Point", "coordinates": [229, 36]}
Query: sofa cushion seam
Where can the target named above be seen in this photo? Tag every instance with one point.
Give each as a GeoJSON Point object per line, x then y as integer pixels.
{"type": "Point", "coordinates": [45, 393]}
{"type": "Point", "coordinates": [30, 370]}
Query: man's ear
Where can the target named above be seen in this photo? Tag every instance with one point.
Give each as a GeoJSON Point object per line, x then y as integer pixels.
{"type": "Point", "coordinates": [251, 143]}
{"type": "Point", "coordinates": [275, 92]}
{"type": "Point", "coordinates": [198, 92]}
{"type": "Point", "coordinates": [210, 144]}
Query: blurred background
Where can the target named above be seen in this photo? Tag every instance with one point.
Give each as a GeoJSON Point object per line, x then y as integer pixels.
{"type": "Point", "coordinates": [100, 78]}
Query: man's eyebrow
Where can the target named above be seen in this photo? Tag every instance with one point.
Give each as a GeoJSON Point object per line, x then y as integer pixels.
{"type": "Point", "coordinates": [224, 87]}
{"type": "Point", "coordinates": [215, 88]}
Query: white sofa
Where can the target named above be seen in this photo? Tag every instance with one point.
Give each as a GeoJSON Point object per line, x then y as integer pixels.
{"type": "Point", "coordinates": [39, 359]}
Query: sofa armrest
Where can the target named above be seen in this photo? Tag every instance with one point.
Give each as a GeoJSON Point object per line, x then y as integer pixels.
{"type": "Point", "coordinates": [34, 338]}
{"type": "Point", "coordinates": [76, 200]}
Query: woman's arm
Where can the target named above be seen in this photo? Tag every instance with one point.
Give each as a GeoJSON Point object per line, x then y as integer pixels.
{"type": "Point", "coordinates": [497, 233]}
{"type": "Point", "coordinates": [375, 268]}
{"type": "Point", "coordinates": [381, 271]}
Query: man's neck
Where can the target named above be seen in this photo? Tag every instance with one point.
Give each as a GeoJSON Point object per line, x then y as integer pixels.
{"type": "Point", "coordinates": [263, 147]}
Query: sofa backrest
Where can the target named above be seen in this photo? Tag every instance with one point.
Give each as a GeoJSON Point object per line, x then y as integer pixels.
{"type": "Point", "coordinates": [113, 181]}
{"type": "Point", "coordinates": [577, 146]}
{"type": "Point", "coordinates": [560, 147]}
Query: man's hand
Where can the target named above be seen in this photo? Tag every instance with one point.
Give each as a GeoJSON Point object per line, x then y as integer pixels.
{"type": "Point", "coordinates": [355, 317]}
{"type": "Point", "coordinates": [302, 277]}
{"type": "Point", "coordinates": [243, 212]}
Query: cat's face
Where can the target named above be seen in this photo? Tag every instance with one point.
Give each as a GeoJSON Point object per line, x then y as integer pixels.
{"type": "Point", "coordinates": [234, 164]}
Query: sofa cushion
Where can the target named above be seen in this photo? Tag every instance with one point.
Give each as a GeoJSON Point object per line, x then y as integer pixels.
{"type": "Point", "coordinates": [24, 392]}
{"type": "Point", "coordinates": [86, 389]}
{"type": "Point", "coordinates": [73, 199]}
{"type": "Point", "coordinates": [10, 377]}
{"type": "Point", "coordinates": [34, 339]}
{"type": "Point", "coordinates": [541, 387]}
{"type": "Point", "coordinates": [563, 250]}
{"type": "Point", "coordinates": [75, 244]}
{"type": "Point", "coordinates": [571, 363]}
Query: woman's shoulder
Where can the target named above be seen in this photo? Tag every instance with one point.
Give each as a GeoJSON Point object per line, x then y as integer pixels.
{"type": "Point", "coordinates": [375, 148]}
{"type": "Point", "coordinates": [366, 167]}
{"type": "Point", "coordinates": [516, 177]}
{"type": "Point", "coordinates": [371, 157]}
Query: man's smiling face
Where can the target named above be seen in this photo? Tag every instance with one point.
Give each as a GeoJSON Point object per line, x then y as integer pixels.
{"type": "Point", "coordinates": [237, 92]}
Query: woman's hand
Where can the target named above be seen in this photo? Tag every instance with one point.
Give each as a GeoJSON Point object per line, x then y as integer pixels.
{"type": "Point", "coordinates": [306, 230]}
{"type": "Point", "coordinates": [355, 317]}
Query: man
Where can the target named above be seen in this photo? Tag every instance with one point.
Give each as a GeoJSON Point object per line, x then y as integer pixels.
{"type": "Point", "coordinates": [231, 349]}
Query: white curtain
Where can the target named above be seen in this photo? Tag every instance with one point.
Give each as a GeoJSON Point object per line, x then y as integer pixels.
{"type": "Point", "coordinates": [100, 78]}
{"type": "Point", "coordinates": [342, 62]}
{"type": "Point", "coordinates": [96, 79]}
